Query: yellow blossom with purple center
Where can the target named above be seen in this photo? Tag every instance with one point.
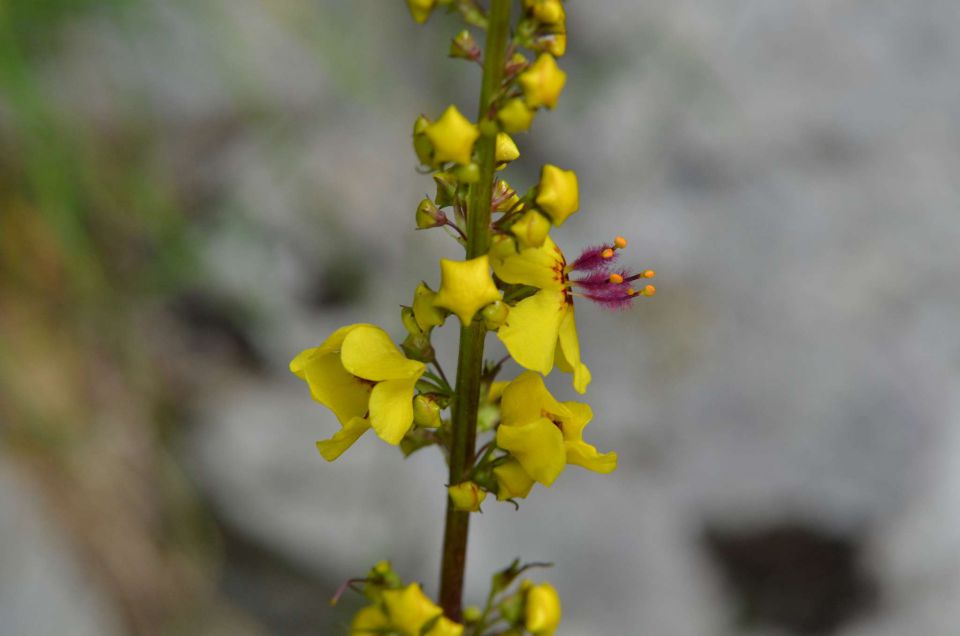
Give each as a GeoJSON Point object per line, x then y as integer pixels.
{"type": "Point", "coordinates": [541, 329]}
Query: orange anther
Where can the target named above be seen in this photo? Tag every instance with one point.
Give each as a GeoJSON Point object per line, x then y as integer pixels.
{"type": "Point", "coordinates": [620, 242]}
{"type": "Point", "coordinates": [616, 279]}
{"type": "Point", "coordinates": [631, 292]}
{"type": "Point", "coordinates": [649, 290]}
{"type": "Point", "coordinates": [607, 253]}
{"type": "Point", "coordinates": [649, 273]}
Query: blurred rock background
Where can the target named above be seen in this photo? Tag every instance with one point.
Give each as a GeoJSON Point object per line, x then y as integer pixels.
{"type": "Point", "coordinates": [192, 192]}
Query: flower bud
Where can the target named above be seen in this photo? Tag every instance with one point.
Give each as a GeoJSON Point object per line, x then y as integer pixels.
{"type": "Point", "coordinates": [495, 314]}
{"type": "Point", "coordinates": [426, 412]}
{"type": "Point", "coordinates": [504, 197]}
{"type": "Point", "coordinates": [452, 136]}
{"type": "Point", "coordinates": [549, 11]}
{"type": "Point", "coordinates": [555, 44]}
{"type": "Point", "coordinates": [421, 144]}
{"type": "Point", "coordinates": [543, 82]}
{"type": "Point", "coordinates": [515, 116]}
{"type": "Point", "coordinates": [421, 9]}
{"type": "Point", "coordinates": [464, 46]}
{"type": "Point", "coordinates": [506, 148]}
{"type": "Point", "coordinates": [466, 496]}
{"type": "Point", "coordinates": [417, 346]}
{"type": "Point", "coordinates": [466, 287]}
{"type": "Point", "coordinates": [410, 321]}
{"type": "Point", "coordinates": [446, 189]}
{"type": "Point", "coordinates": [542, 612]}
{"type": "Point", "coordinates": [472, 613]}
{"type": "Point", "coordinates": [469, 173]}
{"type": "Point", "coordinates": [429, 215]}
{"type": "Point", "coordinates": [558, 193]}
{"type": "Point", "coordinates": [511, 609]}
{"type": "Point", "coordinates": [425, 312]}
{"type": "Point", "coordinates": [515, 64]}
{"type": "Point", "coordinates": [381, 576]}
{"type": "Point", "coordinates": [531, 230]}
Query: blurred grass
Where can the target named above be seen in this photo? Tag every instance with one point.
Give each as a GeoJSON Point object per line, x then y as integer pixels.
{"type": "Point", "coordinates": [90, 235]}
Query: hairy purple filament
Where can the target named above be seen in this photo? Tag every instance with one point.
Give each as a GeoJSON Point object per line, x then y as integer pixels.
{"type": "Point", "coordinates": [599, 282]}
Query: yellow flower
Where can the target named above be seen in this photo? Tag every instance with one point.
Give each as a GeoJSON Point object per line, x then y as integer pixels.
{"type": "Point", "coordinates": [420, 9]}
{"type": "Point", "coordinates": [541, 329]}
{"type": "Point", "coordinates": [543, 82]}
{"type": "Point", "coordinates": [513, 480]}
{"type": "Point", "coordinates": [409, 609]}
{"type": "Point", "coordinates": [506, 148]}
{"type": "Point", "coordinates": [545, 435]}
{"type": "Point", "coordinates": [465, 287]}
{"type": "Point", "coordinates": [515, 116]}
{"type": "Point", "coordinates": [542, 614]}
{"type": "Point", "coordinates": [467, 496]}
{"type": "Point", "coordinates": [452, 136]}
{"type": "Point", "coordinates": [360, 375]}
{"type": "Point", "coordinates": [558, 193]}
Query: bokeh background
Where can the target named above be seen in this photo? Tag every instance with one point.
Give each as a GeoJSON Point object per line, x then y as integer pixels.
{"type": "Point", "coordinates": [193, 191]}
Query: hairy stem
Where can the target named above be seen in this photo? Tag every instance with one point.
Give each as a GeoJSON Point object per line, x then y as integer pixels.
{"type": "Point", "coordinates": [470, 360]}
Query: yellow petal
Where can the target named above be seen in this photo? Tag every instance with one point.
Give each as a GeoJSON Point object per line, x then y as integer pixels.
{"type": "Point", "coordinates": [331, 385]}
{"type": "Point", "coordinates": [453, 136]}
{"type": "Point", "coordinates": [538, 446]}
{"type": "Point", "coordinates": [537, 266]}
{"type": "Point", "coordinates": [445, 627]}
{"type": "Point", "coordinates": [513, 480]}
{"type": "Point", "coordinates": [466, 286]}
{"type": "Point", "coordinates": [369, 352]}
{"type": "Point", "coordinates": [369, 620]}
{"type": "Point", "coordinates": [569, 352]}
{"type": "Point", "coordinates": [331, 344]}
{"type": "Point", "coordinates": [527, 399]}
{"type": "Point", "coordinates": [558, 193]}
{"type": "Point", "coordinates": [391, 408]}
{"type": "Point", "coordinates": [580, 453]}
{"type": "Point", "coordinates": [542, 82]}
{"type": "Point", "coordinates": [531, 330]}
{"type": "Point", "coordinates": [343, 439]}
{"type": "Point", "coordinates": [579, 415]}
{"type": "Point", "coordinates": [542, 610]}
{"type": "Point", "coordinates": [496, 391]}
{"type": "Point", "coordinates": [409, 609]}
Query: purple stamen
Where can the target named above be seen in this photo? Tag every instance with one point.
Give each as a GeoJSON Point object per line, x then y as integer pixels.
{"type": "Point", "coordinates": [593, 258]}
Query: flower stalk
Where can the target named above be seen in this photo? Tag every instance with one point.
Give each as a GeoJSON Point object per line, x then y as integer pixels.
{"type": "Point", "coordinates": [516, 282]}
{"type": "Point", "coordinates": [470, 360]}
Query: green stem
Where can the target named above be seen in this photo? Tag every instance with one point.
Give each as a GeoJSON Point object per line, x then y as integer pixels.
{"type": "Point", "coordinates": [470, 360]}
